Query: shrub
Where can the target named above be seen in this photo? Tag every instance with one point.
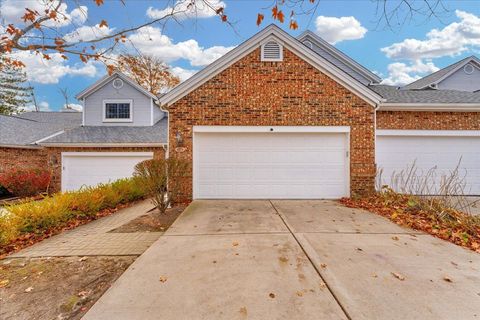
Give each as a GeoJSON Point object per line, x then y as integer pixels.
{"type": "Point", "coordinates": [163, 179]}
{"type": "Point", "coordinates": [56, 210]}
{"type": "Point", "coordinates": [26, 182]}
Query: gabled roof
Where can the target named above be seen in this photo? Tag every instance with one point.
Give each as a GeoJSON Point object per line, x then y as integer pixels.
{"type": "Point", "coordinates": [254, 42]}
{"type": "Point", "coordinates": [440, 75]}
{"type": "Point", "coordinates": [106, 79]}
{"type": "Point", "coordinates": [311, 36]}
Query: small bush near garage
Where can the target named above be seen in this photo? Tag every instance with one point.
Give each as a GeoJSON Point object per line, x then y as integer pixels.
{"type": "Point", "coordinates": [25, 182]}
{"type": "Point", "coordinates": [427, 214]}
{"type": "Point", "coordinates": [163, 180]}
{"type": "Point", "coordinates": [65, 210]}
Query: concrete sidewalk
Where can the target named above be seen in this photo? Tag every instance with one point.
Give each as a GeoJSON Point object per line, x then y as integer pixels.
{"type": "Point", "coordinates": [293, 260]}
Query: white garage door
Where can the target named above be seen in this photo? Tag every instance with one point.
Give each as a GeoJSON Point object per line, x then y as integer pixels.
{"type": "Point", "coordinates": [443, 150]}
{"type": "Point", "coordinates": [271, 165]}
{"type": "Point", "coordinates": [91, 168]}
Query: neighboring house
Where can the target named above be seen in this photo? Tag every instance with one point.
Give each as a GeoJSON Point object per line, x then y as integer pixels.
{"type": "Point", "coordinates": [120, 125]}
{"type": "Point", "coordinates": [276, 117]}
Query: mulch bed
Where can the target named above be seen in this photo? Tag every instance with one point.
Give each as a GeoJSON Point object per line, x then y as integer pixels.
{"type": "Point", "coordinates": [29, 239]}
{"type": "Point", "coordinates": [56, 288]}
{"type": "Point", "coordinates": [459, 228]}
{"type": "Point", "coordinates": [152, 222]}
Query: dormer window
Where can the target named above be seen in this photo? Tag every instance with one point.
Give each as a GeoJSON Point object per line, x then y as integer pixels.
{"type": "Point", "coordinates": [117, 110]}
{"type": "Point", "coordinates": [272, 51]}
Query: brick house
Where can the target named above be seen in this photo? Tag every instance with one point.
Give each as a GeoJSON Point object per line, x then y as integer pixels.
{"type": "Point", "coordinates": [277, 117]}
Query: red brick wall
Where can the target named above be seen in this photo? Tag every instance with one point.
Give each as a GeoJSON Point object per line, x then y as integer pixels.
{"type": "Point", "coordinates": [428, 120]}
{"type": "Point", "coordinates": [21, 158]}
{"type": "Point", "coordinates": [288, 93]}
{"type": "Point", "coordinates": [54, 156]}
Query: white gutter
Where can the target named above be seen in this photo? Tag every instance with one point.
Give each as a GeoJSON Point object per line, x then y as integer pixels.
{"type": "Point", "coordinates": [445, 107]}
{"type": "Point", "coordinates": [104, 145]}
{"type": "Point", "coordinates": [19, 146]}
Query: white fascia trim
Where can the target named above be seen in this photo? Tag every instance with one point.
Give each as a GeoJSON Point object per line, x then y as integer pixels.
{"type": "Point", "coordinates": [272, 129]}
{"type": "Point", "coordinates": [445, 107]}
{"type": "Point", "coordinates": [102, 154]}
{"type": "Point", "coordinates": [50, 136]}
{"type": "Point", "coordinates": [83, 111]}
{"type": "Point", "coordinates": [249, 46]}
{"type": "Point", "coordinates": [151, 112]}
{"type": "Point", "coordinates": [340, 55]}
{"type": "Point", "coordinates": [433, 133]}
{"type": "Point", "coordinates": [103, 145]}
{"type": "Point", "coordinates": [100, 83]}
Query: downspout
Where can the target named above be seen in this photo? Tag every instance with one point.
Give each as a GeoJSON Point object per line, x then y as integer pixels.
{"type": "Point", "coordinates": [166, 148]}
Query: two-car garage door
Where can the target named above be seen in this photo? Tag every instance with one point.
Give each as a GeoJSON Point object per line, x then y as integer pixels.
{"type": "Point", "coordinates": [271, 165]}
{"type": "Point", "coordinates": [91, 168]}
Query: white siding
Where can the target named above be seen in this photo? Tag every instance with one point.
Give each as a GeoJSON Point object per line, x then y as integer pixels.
{"type": "Point", "coordinates": [93, 107]}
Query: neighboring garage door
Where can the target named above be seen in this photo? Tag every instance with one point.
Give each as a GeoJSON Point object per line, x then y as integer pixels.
{"type": "Point", "coordinates": [398, 149]}
{"type": "Point", "coordinates": [271, 165]}
{"type": "Point", "coordinates": [91, 168]}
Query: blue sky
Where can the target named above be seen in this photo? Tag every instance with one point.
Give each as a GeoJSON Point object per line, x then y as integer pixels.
{"type": "Point", "coordinates": [399, 56]}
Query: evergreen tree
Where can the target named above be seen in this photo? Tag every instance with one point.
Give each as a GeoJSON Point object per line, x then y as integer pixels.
{"type": "Point", "coordinates": [15, 93]}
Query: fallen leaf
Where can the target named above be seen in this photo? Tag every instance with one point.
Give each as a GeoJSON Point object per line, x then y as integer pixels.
{"type": "Point", "coordinates": [29, 289]}
{"type": "Point", "coordinates": [243, 310]}
{"type": "Point", "coordinates": [82, 259]}
{"type": "Point", "coordinates": [300, 293]}
{"type": "Point", "coordinates": [163, 279]}
{"type": "Point", "coordinates": [359, 249]}
{"type": "Point", "coordinates": [398, 276]}
{"type": "Point", "coordinates": [395, 238]}
{"type": "Point", "coordinates": [447, 279]}
{"type": "Point", "coordinates": [235, 244]}
{"type": "Point", "coordinates": [323, 265]}
{"type": "Point", "coordinates": [454, 263]}
{"type": "Point", "coordinates": [4, 283]}
{"type": "Point", "coordinates": [271, 295]}
{"type": "Point", "coordinates": [374, 275]}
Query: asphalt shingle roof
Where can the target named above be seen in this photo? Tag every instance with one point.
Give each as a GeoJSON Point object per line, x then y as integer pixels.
{"type": "Point", "coordinates": [395, 95]}
{"type": "Point", "coordinates": [113, 134]}
{"type": "Point", "coordinates": [27, 128]}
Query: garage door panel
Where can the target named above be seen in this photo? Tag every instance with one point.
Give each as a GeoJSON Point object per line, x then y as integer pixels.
{"type": "Point", "coordinates": [265, 165]}
{"type": "Point", "coordinates": [90, 169]}
{"type": "Point", "coordinates": [397, 153]}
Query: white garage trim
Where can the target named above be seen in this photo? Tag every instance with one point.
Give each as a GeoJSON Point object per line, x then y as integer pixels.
{"type": "Point", "coordinates": [436, 133]}
{"type": "Point", "coordinates": [273, 129]}
{"type": "Point", "coordinates": [66, 155]}
{"type": "Point", "coordinates": [342, 131]}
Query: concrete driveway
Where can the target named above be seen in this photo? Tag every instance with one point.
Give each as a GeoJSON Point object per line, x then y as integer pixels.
{"type": "Point", "coordinates": [293, 260]}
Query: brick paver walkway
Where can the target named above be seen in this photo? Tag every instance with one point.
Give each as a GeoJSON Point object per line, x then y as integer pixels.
{"type": "Point", "coordinates": [94, 238]}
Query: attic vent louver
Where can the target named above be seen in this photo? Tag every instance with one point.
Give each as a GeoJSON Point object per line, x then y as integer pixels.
{"type": "Point", "coordinates": [272, 51]}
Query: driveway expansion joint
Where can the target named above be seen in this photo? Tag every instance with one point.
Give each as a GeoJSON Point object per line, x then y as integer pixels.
{"type": "Point", "coordinates": [311, 261]}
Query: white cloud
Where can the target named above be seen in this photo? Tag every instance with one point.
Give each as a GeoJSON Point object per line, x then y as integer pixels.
{"type": "Point", "coordinates": [13, 10]}
{"type": "Point", "coordinates": [43, 106]}
{"type": "Point", "coordinates": [51, 71]}
{"type": "Point", "coordinates": [334, 29]}
{"type": "Point", "coordinates": [150, 40]}
{"type": "Point", "coordinates": [73, 106]}
{"type": "Point", "coordinates": [87, 33]}
{"type": "Point", "coordinates": [184, 9]}
{"type": "Point", "coordinates": [183, 74]}
{"type": "Point", "coordinates": [452, 40]}
{"type": "Point", "coordinates": [79, 15]}
{"type": "Point", "coordinates": [400, 73]}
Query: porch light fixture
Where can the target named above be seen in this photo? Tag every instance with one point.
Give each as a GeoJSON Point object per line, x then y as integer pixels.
{"type": "Point", "coordinates": [179, 138]}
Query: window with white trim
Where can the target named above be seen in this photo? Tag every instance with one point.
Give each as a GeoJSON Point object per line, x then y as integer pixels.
{"type": "Point", "coordinates": [117, 110]}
